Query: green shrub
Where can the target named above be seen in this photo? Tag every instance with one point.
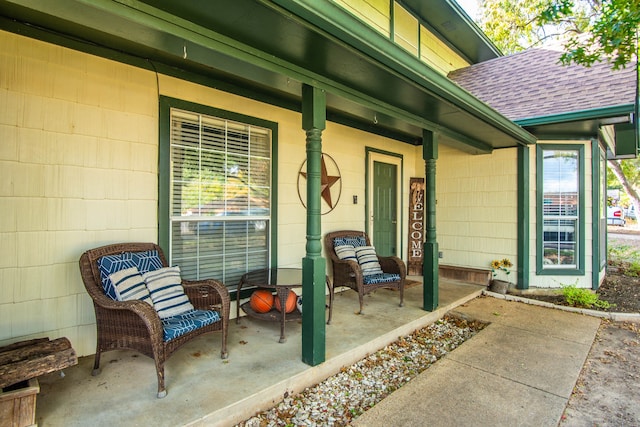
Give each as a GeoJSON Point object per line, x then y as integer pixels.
{"type": "Point", "coordinates": [580, 297]}
{"type": "Point", "coordinates": [633, 270]}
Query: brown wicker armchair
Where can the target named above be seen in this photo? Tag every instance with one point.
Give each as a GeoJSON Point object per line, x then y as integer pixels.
{"type": "Point", "coordinates": [135, 325]}
{"type": "Point", "coordinates": [349, 273]}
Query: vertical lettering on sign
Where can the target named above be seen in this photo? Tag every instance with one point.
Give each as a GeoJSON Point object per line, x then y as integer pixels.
{"type": "Point", "coordinates": [416, 225]}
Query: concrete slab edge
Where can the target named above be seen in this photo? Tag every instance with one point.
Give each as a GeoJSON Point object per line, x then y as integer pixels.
{"type": "Point", "coordinates": [270, 396]}
{"type": "Point", "coordinates": [616, 317]}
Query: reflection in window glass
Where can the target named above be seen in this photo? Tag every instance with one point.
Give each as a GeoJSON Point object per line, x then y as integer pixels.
{"type": "Point", "coordinates": [220, 196]}
{"type": "Point", "coordinates": [560, 208]}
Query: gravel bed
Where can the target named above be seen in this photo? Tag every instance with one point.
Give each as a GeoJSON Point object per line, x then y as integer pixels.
{"type": "Point", "coordinates": [342, 397]}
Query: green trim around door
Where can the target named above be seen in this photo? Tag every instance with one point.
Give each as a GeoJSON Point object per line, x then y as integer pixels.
{"type": "Point", "coordinates": [372, 154]}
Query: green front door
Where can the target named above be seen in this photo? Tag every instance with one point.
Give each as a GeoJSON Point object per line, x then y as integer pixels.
{"type": "Point", "coordinates": [385, 218]}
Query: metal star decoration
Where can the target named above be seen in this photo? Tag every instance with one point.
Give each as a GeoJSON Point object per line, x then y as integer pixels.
{"type": "Point", "coordinates": [326, 181]}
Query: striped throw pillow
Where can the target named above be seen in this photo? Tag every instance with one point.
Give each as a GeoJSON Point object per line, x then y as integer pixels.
{"type": "Point", "coordinates": [346, 252]}
{"type": "Point", "coordinates": [368, 260]}
{"type": "Point", "coordinates": [129, 285]}
{"type": "Point", "coordinates": [167, 293]}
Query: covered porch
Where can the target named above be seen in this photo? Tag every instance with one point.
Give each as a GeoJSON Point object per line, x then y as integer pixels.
{"type": "Point", "coordinates": [206, 390]}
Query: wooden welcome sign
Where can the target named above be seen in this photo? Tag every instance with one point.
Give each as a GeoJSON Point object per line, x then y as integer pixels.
{"type": "Point", "coordinates": [416, 225]}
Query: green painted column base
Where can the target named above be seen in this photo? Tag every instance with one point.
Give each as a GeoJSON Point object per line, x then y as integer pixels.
{"type": "Point", "coordinates": [313, 310]}
{"type": "Point", "coordinates": [431, 278]}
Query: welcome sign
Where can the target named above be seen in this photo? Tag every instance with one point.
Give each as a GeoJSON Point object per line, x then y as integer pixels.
{"type": "Point", "coordinates": [416, 225]}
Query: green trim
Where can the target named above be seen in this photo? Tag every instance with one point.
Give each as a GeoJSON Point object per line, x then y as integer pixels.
{"type": "Point", "coordinates": [596, 193]}
{"type": "Point", "coordinates": [254, 93]}
{"type": "Point", "coordinates": [332, 18]}
{"type": "Point", "coordinates": [471, 43]}
{"type": "Point", "coordinates": [564, 136]}
{"type": "Point", "coordinates": [164, 173]}
{"type": "Point", "coordinates": [430, 265]}
{"type": "Point", "coordinates": [594, 113]}
{"type": "Point", "coordinates": [392, 20]}
{"type": "Point", "coordinates": [580, 256]}
{"type": "Point", "coordinates": [164, 168]}
{"type": "Point", "coordinates": [160, 35]}
{"type": "Point", "coordinates": [367, 202]}
{"type": "Point", "coordinates": [314, 107]}
{"type": "Point", "coordinates": [523, 217]}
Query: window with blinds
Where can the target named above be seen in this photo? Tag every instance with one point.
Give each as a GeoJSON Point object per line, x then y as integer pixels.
{"type": "Point", "coordinates": [220, 192]}
{"type": "Point", "coordinates": [560, 209]}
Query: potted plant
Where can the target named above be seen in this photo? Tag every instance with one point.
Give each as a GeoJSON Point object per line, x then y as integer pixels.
{"type": "Point", "coordinates": [500, 267]}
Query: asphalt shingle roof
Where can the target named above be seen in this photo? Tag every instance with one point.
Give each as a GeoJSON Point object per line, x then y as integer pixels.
{"type": "Point", "coordinates": [534, 84]}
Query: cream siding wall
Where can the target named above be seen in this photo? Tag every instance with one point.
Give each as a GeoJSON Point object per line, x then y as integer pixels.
{"type": "Point", "coordinates": [408, 33]}
{"type": "Point", "coordinates": [405, 29]}
{"type": "Point", "coordinates": [438, 55]}
{"type": "Point", "coordinates": [78, 169]}
{"type": "Point", "coordinates": [375, 13]}
{"type": "Point", "coordinates": [476, 212]}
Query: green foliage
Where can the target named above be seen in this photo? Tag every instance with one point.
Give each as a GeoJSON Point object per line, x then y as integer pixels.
{"type": "Point", "coordinates": [581, 297]}
{"type": "Point", "coordinates": [519, 25]}
{"type": "Point", "coordinates": [633, 270]}
{"type": "Point", "coordinates": [510, 25]}
{"type": "Point", "coordinates": [618, 254]}
{"type": "Point", "coordinates": [626, 258]}
{"type": "Point", "coordinates": [610, 33]}
{"type": "Point", "coordinates": [591, 31]}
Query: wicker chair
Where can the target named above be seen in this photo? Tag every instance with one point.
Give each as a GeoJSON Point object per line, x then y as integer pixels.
{"type": "Point", "coordinates": [135, 325]}
{"type": "Point", "coordinates": [349, 274]}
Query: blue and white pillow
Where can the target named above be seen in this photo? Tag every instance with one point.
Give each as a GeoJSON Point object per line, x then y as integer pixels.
{"type": "Point", "coordinates": [368, 260]}
{"type": "Point", "coordinates": [146, 261]}
{"type": "Point", "coordinates": [129, 285]}
{"type": "Point", "coordinates": [346, 252]}
{"type": "Point", "coordinates": [354, 241]}
{"type": "Point", "coordinates": [109, 264]}
{"type": "Point", "coordinates": [167, 293]}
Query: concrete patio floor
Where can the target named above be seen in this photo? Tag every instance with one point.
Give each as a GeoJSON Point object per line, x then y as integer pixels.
{"type": "Point", "coordinates": [203, 389]}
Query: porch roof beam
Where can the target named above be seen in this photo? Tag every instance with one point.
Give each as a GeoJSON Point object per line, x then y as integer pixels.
{"type": "Point", "coordinates": [413, 95]}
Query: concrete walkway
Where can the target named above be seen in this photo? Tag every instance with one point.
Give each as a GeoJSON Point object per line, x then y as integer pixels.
{"type": "Point", "coordinates": [519, 371]}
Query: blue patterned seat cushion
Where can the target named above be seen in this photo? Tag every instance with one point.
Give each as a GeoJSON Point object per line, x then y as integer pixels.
{"type": "Point", "coordinates": [109, 264]}
{"type": "Point", "coordinates": [354, 241]}
{"type": "Point", "coordinates": [380, 278]}
{"type": "Point", "coordinates": [181, 324]}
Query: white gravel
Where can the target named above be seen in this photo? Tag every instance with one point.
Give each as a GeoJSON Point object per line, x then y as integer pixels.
{"type": "Point", "coordinates": [347, 394]}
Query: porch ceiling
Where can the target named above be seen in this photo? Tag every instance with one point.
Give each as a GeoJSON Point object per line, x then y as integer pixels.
{"type": "Point", "coordinates": [269, 49]}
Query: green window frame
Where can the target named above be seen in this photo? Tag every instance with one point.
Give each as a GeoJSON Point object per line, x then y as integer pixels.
{"type": "Point", "coordinates": [560, 221]}
{"type": "Point", "coordinates": [602, 208]}
{"type": "Point", "coordinates": [216, 191]}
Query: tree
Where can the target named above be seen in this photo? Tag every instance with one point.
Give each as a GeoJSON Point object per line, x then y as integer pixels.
{"type": "Point", "coordinates": [515, 26]}
{"type": "Point", "coordinates": [627, 175]}
{"type": "Point", "coordinates": [590, 30]}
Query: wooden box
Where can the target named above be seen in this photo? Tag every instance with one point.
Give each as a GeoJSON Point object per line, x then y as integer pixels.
{"type": "Point", "coordinates": [18, 404]}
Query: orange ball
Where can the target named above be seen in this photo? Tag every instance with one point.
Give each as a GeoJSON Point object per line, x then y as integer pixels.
{"type": "Point", "coordinates": [290, 304]}
{"type": "Point", "coordinates": [261, 301]}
